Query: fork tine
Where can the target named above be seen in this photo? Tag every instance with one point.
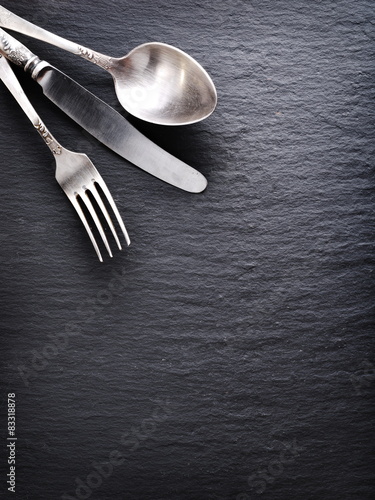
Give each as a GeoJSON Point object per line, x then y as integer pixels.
{"type": "Point", "coordinates": [102, 207]}
{"type": "Point", "coordinates": [90, 208]}
{"type": "Point", "coordinates": [111, 201]}
{"type": "Point", "coordinates": [78, 208]}
{"type": "Point", "coordinates": [73, 170]}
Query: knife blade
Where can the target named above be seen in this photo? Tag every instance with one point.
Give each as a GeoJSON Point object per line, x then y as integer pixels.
{"type": "Point", "coordinates": [102, 121]}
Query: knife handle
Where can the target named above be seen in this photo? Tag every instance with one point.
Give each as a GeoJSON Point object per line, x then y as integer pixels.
{"type": "Point", "coordinates": [20, 55]}
{"type": "Point", "coordinates": [11, 21]}
{"type": "Point", "coordinates": [13, 50]}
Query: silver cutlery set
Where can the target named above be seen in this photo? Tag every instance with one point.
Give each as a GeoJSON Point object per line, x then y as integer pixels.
{"type": "Point", "coordinates": [155, 82]}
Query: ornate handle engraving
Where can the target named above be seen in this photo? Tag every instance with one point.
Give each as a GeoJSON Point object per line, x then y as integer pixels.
{"type": "Point", "coordinates": [48, 138]}
{"type": "Point", "coordinates": [95, 57]}
{"type": "Point", "coordinates": [13, 50]}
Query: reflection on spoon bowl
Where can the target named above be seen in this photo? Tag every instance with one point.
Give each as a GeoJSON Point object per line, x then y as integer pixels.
{"type": "Point", "coordinates": [162, 84]}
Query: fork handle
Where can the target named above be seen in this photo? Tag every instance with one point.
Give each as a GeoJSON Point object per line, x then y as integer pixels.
{"type": "Point", "coordinates": [13, 22]}
{"type": "Point", "coordinates": [11, 82]}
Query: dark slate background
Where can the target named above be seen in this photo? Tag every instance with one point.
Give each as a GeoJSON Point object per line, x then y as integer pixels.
{"type": "Point", "coordinates": [227, 354]}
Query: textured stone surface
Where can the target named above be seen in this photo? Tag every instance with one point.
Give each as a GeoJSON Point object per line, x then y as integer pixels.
{"type": "Point", "coordinates": [239, 321]}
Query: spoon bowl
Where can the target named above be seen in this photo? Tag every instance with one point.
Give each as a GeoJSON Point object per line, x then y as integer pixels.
{"type": "Point", "coordinates": [155, 82]}
{"type": "Point", "coordinates": [161, 84]}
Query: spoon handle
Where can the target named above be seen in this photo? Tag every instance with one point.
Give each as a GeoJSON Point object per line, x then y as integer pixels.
{"type": "Point", "coordinates": [11, 21]}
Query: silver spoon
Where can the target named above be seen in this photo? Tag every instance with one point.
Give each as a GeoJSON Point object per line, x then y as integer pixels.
{"type": "Point", "coordinates": [155, 82]}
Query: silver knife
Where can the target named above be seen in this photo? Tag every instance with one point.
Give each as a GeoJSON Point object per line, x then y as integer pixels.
{"type": "Point", "coordinates": [102, 121]}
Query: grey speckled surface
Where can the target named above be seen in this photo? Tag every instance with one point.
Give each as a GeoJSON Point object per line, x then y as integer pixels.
{"type": "Point", "coordinates": [227, 354]}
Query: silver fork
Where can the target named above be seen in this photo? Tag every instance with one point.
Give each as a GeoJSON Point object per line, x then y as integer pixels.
{"type": "Point", "coordinates": [74, 171]}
